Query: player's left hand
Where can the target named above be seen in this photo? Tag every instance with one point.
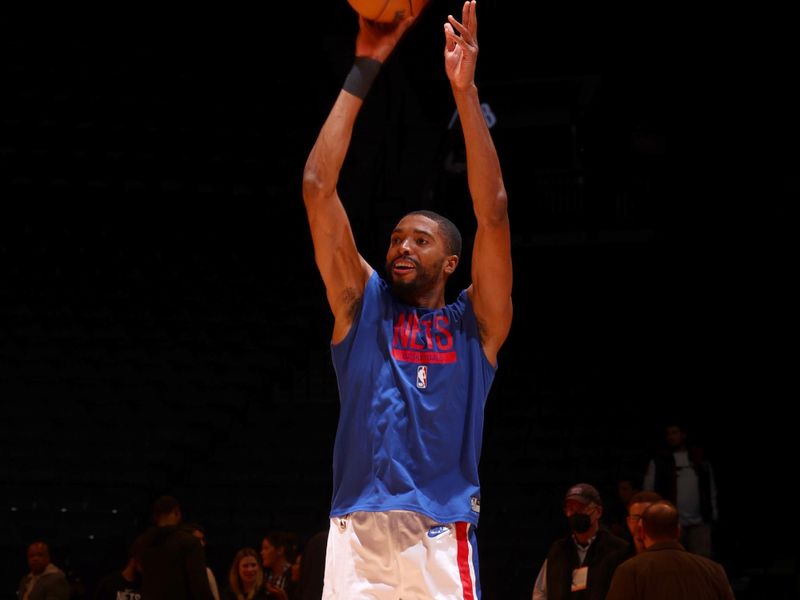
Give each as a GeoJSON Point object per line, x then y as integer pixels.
{"type": "Point", "coordinates": [461, 51]}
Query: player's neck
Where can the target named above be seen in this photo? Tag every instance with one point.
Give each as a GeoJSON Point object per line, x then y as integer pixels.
{"type": "Point", "coordinates": [431, 300]}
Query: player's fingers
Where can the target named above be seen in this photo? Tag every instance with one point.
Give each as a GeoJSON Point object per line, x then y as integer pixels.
{"type": "Point", "coordinates": [450, 37]}
{"type": "Point", "coordinates": [473, 18]}
{"type": "Point", "coordinates": [465, 14]}
{"type": "Point", "coordinates": [466, 36]}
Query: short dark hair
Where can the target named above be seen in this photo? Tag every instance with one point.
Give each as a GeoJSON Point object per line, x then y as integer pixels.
{"type": "Point", "coordinates": [644, 496]}
{"type": "Point", "coordinates": [286, 540]}
{"type": "Point", "coordinates": [451, 233]}
{"type": "Point", "coordinates": [165, 505]}
{"type": "Point", "coordinates": [660, 521]}
{"type": "Point", "coordinates": [675, 422]}
{"type": "Point", "coordinates": [39, 543]}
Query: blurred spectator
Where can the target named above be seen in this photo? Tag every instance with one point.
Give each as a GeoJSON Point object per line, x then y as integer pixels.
{"type": "Point", "coordinates": [682, 475]}
{"type": "Point", "coordinates": [616, 514]}
{"type": "Point", "coordinates": [665, 571]}
{"type": "Point", "coordinates": [312, 571]}
{"type": "Point", "coordinates": [637, 505]}
{"type": "Point", "coordinates": [297, 567]}
{"type": "Point", "coordinates": [246, 578]}
{"type": "Point", "coordinates": [278, 550]}
{"type": "Point", "coordinates": [581, 564]}
{"type": "Point", "coordinates": [626, 488]}
{"type": "Point", "coordinates": [197, 531]}
{"type": "Point", "coordinates": [121, 585]}
{"type": "Point", "coordinates": [45, 581]}
{"type": "Point", "coordinates": [172, 559]}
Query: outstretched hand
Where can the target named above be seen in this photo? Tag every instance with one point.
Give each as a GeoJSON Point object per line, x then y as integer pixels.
{"type": "Point", "coordinates": [461, 50]}
{"type": "Point", "coordinates": [377, 40]}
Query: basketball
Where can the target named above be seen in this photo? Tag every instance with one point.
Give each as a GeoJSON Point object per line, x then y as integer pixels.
{"type": "Point", "coordinates": [387, 11]}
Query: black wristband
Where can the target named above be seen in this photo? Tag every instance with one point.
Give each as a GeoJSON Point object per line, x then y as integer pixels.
{"type": "Point", "coordinates": [361, 76]}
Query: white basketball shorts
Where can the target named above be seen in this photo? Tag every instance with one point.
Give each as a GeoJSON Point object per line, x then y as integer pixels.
{"type": "Point", "coordinates": [400, 555]}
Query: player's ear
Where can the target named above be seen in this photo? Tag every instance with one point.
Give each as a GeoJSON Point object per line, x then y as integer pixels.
{"type": "Point", "coordinates": [450, 264]}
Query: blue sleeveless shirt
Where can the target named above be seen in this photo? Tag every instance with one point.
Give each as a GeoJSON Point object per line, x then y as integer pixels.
{"type": "Point", "coordinates": [413, 383]}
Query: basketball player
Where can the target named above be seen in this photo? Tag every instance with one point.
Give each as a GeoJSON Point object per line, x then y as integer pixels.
{"type": "Point", "coordinates": [413, 372]}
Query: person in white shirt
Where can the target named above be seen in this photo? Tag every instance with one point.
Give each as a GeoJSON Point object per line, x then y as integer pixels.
{"type": "Point", "coordinates": [682, 475]}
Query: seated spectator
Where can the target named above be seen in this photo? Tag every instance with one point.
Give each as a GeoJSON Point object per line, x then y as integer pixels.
{"type": "Point", "coordinates": [245, 578]}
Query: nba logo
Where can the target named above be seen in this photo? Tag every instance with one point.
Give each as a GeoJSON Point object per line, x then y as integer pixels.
{"type": "Point", "coordinates": [422, 376]}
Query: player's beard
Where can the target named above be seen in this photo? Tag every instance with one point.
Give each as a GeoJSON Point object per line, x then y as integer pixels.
{"type": "Point", "coordinates": [423, 280]}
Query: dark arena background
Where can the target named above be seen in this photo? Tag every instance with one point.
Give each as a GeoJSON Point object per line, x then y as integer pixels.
{"type": "Point", "coordinates": [163, 328]}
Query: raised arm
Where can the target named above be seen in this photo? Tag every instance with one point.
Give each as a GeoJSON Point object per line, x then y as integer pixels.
{"type": "Point", "coordinates": [490, 291]}
{"type": "Point", "coordinates": [343, 270]}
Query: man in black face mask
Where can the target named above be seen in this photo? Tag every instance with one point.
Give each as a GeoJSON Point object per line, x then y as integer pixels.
{"type": "Point", "coordinates": [580, 565]}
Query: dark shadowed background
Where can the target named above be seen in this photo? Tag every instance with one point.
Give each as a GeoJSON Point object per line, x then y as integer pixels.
{"type": "Point", "coordinates": [163, 328]}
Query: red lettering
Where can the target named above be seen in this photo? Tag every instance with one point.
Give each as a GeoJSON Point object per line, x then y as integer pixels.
{"type": "Point", "coordinates": [408, 339]}
{"type": "Point", "coordinates": [445, 340]}
{"type": "Point", "coordinates": [402, 330]}
{"type": "Point", "coordinates": [426, 325]}
{"type": "Point", "coordinates": [429, 358]}
{"type": "Point", "coordinates": [415, 333]}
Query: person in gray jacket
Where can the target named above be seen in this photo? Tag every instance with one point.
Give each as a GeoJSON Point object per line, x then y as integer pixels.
{"type": "Point", "coordinates": [45, 581]}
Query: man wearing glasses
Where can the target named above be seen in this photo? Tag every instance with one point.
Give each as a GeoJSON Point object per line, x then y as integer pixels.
{"type": "Point", "coordinates": [636, 507]}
